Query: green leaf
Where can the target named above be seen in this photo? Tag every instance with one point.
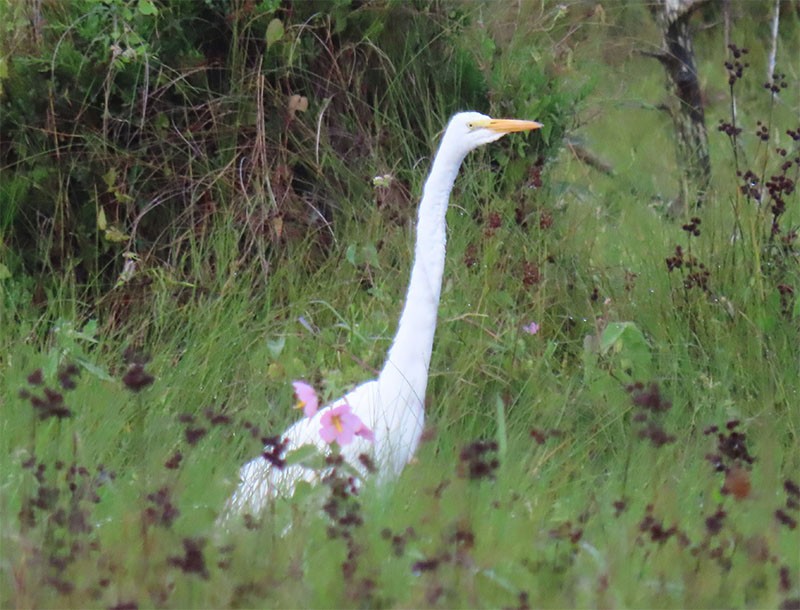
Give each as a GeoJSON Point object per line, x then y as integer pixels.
{"type": "Point", "coordinates": [90, 329]}
{"type": "Point", "coordinates": [305, 455]}
{"type": "Point", "coordinates": [275, 32]}
{"type": "Point", "coordinates": [370, 254]}
{"type": "Point", "coordinates": [161, 122]}
{"type": "Point", "coordinates": [630, 348]}
{"type": "Point", "coordinates": [110, 178]}
{"type": "Point", "coordinates": [350, 254]}
{"type": "Point", "coordinates": [94, 369]}
{"type": "Point", "coordinates": [4, 272]}
{"type": "Point", "coordinates": [611, 335]}
{"type": "Point", "coordinates": [113, 234]}
{"type": "Point", "coordinates": [147, 7]}
{"type": "Point", "coordinates": [269, 6]}
{"type": "Point", "coordinates": [302, 491]}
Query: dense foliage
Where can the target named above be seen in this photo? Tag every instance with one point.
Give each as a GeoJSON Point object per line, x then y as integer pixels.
{"type": "Point", "coordinates": [152, 122]}
{"type": "Point", "coordinates": [203, 201]}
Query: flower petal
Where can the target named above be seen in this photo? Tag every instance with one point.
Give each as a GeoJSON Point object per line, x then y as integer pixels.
{"type": "Point", "coordinates": [328, 434]}
{"type": "Point", "coordinates": [531, 328]}
{"type": "Point", "coordinates": [345, 437]}
{"type": "Point", "coordinates": [306, 398]}
{"type": "Point", "coordinates": [366, 433]}
{"type": "Point", "coordinates": [327, 430]}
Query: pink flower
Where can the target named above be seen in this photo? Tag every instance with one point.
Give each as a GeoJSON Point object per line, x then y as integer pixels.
{"type": "Point", "coordinates": [531, 328]}
{"type": "Point", "coordinates": [340, 424]}
{"type": "Point", "coordinates": [366, 433]}
{"type": "Point", "coordinates": [306, 398]}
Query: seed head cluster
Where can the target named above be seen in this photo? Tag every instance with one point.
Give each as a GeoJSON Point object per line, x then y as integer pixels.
{"type": "Point", "coordinates": [50, 403]}
{"type": "Point", "coordinates": [136, 378]}
{"type": "Point", "coordinates": [651, 406]}
{"type": "Point", "coordinates": [736, 65]}
{"type": "Point", "coordinates": [478, 460]}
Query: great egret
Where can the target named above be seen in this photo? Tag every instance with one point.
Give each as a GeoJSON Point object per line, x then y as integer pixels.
{"type": "Point", "coordinates": [392, 406]}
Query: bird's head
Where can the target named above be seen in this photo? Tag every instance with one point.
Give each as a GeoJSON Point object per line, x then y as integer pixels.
{"type": "Point", "coordinates": [468, 130]}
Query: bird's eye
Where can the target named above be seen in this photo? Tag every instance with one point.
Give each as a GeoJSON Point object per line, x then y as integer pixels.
{"type": "Point", "coordinates": [471, 125]}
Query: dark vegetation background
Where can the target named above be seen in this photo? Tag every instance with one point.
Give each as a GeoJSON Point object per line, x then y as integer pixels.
{"type": "Point", "coordinates": [203, 200]}
{"type": "Point", "coordinates": [160, 122]}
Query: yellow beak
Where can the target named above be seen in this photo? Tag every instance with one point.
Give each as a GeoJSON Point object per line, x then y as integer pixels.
{"type": "Point", "coordinates": [511, 125]}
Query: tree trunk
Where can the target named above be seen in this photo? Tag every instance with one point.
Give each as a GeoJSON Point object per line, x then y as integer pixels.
{"type": "Point", "coordinates": [686, 104]}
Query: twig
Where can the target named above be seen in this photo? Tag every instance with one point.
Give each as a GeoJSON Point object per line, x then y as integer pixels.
{"type": "Point", "coordinates": [773, 48]}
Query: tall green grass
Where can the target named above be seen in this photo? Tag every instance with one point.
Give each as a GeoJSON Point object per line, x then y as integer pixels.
{"type": "Point", "coordinates": [580, 509]}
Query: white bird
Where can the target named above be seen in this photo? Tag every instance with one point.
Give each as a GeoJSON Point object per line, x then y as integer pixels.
{"type": "Point", "coordinates": [392, 405]}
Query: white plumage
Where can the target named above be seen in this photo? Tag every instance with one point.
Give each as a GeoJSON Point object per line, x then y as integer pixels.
{"type": "Point", "coordinates": [392, 405]}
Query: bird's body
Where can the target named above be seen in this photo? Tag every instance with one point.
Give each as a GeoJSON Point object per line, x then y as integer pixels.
{"type": "Point", "coordinates": [392, 406]}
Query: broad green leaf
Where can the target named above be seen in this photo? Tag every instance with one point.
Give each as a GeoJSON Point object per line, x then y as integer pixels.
{"type": "Point", "coordinates": [147, 7]}
{"type": "Point", "coordinates": [630, 347]}
{"type": "Point", "coordinates": [113, 234]}
{"type": "Point", "coordinates": [611, 335]}
{"type": "Point", "coordinates": [4, 272]}
{"type": "Point", "coordinates": [90, 328]}
{"type": "Point", "coordinates": [370, 254]}
{"type": "Point", "coordinates": [276, 371]}
{"type": "Point", "coordinates": [274, 32]}
{"type": "Point", "coordinates": [269, 6]}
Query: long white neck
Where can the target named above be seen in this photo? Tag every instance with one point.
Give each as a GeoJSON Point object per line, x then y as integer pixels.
{"type": "Point", "coordinates": [410, 354]}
